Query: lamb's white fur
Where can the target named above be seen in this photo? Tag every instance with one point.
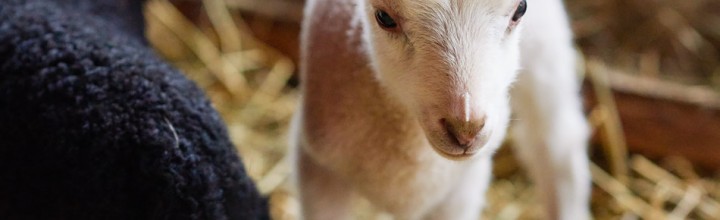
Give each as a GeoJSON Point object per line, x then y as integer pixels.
{"type": "Point", "coordinates": [368, 121]}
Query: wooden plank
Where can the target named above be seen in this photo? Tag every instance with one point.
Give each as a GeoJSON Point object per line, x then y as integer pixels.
{"type": "Point", "coordinates": [662, 119]}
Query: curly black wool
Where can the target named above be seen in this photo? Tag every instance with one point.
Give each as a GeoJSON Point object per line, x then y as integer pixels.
{"type": "Point", "coordinates": [93, 125]}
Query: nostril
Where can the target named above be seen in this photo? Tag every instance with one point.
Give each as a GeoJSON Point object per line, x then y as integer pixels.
{"type": "Point", "coordinates": [463, 132]}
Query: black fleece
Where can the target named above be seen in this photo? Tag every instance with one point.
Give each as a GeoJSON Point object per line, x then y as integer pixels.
{"type": "Point", "coordinates": [93, 125]}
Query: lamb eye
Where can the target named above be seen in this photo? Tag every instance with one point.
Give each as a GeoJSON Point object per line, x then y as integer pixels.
{"type": "Point", "coordinates": [385, 20]}
{"type": "Point", "coordinates": [520, 11]}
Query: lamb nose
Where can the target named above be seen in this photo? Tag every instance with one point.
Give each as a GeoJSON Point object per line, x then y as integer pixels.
{"type": "Point", "coordinates": [464, 132]}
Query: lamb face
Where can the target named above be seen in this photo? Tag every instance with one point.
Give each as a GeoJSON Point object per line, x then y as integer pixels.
{"type": "Point", "coordinates": [450, 63]}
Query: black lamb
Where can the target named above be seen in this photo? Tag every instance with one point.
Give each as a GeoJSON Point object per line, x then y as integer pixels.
{"type": "Point", "coordinates": [93, 125]}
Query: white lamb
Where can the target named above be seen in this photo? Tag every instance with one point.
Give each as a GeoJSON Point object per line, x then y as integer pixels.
{"type": "Point", "coordinates": [405, 101]}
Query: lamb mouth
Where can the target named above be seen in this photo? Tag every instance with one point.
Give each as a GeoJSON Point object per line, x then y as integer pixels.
{"type": "Point", "coordinates": [465, 155]}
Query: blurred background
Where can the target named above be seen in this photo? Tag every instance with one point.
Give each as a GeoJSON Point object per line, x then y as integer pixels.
{"type": "Point", "coordinates": [651, 73]}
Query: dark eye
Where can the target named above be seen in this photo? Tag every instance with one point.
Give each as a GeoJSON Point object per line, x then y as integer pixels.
{"type": "Point", "coordinates": [520, 11]}
{"type": "Point", "coordinates": [384, 20]}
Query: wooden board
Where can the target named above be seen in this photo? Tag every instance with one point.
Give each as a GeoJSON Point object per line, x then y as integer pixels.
{"type": "Point", "coordinates": [662, 119]}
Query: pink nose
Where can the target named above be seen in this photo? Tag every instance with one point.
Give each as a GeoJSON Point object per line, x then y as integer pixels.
{"type": "Point", "coordinates": [465, 132]}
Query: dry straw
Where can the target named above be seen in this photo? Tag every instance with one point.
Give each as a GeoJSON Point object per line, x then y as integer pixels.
{"type": "Point", "coordinates": [247, 82]}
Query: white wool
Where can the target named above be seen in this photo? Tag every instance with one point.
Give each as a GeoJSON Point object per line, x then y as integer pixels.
{"type": "Point", "coordinates": [374, 103]}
